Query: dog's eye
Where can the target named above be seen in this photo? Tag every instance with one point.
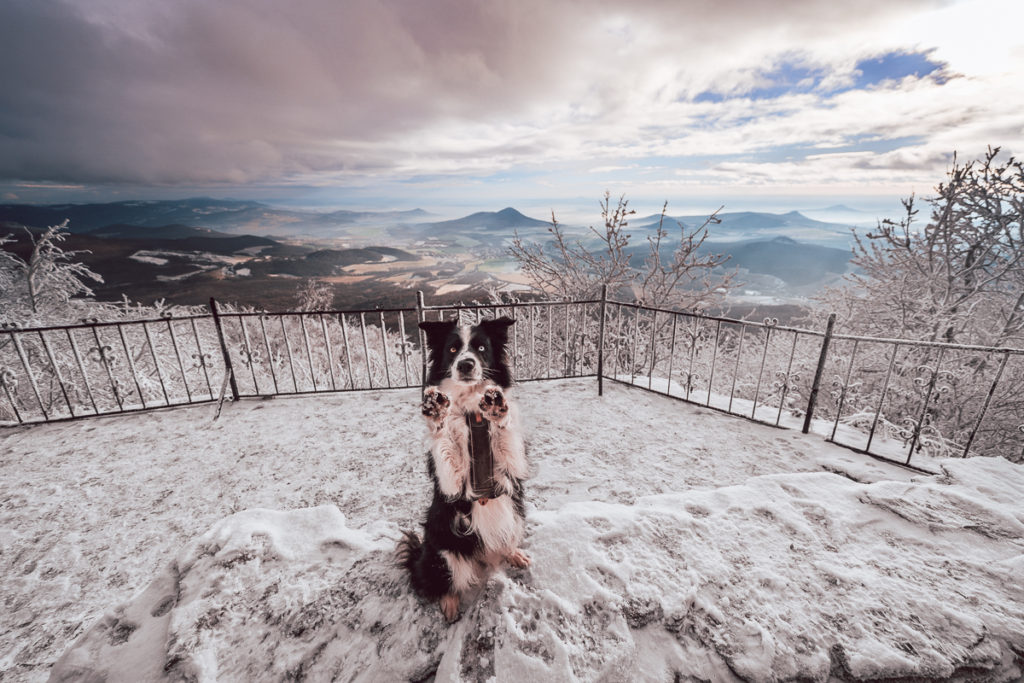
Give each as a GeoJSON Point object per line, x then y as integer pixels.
{"type": "Point", "coordinates": [480, 348]}
{"type": "Point", "coordinates": [454, 349]}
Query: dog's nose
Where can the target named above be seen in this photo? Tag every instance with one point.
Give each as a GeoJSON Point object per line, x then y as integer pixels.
{"type": "Point", "coordinates": [466, 365]}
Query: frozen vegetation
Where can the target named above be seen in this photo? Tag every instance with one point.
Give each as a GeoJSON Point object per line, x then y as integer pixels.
{"type": "Point", "coordinates": [669, 542]}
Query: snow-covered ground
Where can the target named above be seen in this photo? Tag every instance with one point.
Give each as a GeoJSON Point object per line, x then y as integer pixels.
{"type": "Point", "coordinates": [843, 433]}
{"type": "Point", "coordinates": [668, 542]}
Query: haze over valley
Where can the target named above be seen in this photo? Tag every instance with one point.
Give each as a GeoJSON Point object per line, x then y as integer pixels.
{"type": "Point", "coordinates": [254, 254]}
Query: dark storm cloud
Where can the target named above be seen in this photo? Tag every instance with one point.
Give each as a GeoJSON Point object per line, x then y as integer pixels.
{"type": "Point", "coordinates": [237, 91]}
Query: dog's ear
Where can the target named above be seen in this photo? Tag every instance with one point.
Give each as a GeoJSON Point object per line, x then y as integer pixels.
{"type": "Point", "coordinates": [437, 331]}
{"type": "Point", "coordinates": [497, 329]}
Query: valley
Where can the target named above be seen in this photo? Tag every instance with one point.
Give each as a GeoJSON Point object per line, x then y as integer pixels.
{"type": "Point", "coordinates": [253, 255]}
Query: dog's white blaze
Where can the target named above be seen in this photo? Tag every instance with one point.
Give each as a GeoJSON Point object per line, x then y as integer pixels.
{"type": "Point", "coordinates": [463, 569]}
{"type": "Point", "coordinates": [466, 352]}
{"type": "Point", "coordinates": [497, 524]}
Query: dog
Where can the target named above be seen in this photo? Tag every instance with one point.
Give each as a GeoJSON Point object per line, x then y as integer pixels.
{"type": "Point", "coordinates": [474, 523]}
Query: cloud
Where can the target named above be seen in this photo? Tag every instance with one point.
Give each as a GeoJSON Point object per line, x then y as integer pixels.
{"type": "Point", "coordinates": [255, 91]}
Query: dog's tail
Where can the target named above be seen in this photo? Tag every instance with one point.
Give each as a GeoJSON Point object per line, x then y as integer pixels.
{"type": "Point", "coordinates": [409, 550]}
{"type": "Point", "coordinates": [428, 573]}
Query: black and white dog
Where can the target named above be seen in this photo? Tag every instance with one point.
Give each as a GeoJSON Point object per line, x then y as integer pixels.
{"type": "Point", "coordinates": [476, 519]}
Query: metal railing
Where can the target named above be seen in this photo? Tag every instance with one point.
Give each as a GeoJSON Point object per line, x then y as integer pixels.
{"type": "Point", "coordinates": [890, 398]}
{"type": "Point", "coordinates": [64, 372]}
{"type": "Point", "coordinates": [895, 399]}
{"type": "Point", "coordinates": [900, 398]}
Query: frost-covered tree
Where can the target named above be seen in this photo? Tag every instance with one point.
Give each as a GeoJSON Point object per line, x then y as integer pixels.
{"type": "Point", "coordinates": [678, 275]}
{"type": "Point", "coordinates": [50, 286]}
{"type": "Point", "coordinates": [958, 278]}
{"type": "Point", "coordinates": [314, 295]}
{"type": "Point", "coordinates": [669, 273]}
{"type": "Point", "coordinates": [682, 278]}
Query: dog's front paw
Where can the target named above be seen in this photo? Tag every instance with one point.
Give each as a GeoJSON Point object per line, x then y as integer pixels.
{"type": "Point", "coordinates": [493, 405]}
{"type": "Point", "coordinates": [435, 405]}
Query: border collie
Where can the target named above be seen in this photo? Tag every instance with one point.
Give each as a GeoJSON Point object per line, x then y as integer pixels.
{"type": "Point", "coordinates": [476, 519]}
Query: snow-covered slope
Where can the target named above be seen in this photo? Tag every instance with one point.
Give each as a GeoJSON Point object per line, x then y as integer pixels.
{"type": "Point", "coordinates": [665, 538]}
{"type": "Point", "coordinates": [786, 577]}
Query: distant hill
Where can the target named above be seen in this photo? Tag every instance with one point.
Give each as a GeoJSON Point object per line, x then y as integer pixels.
{"type": "Point", "coordinates": [505, 220]}
{"type": "Point", "coordinates": [410, 216]}
{"type": "Point", "coordinates": [189, 239]}
{"type": "Point", "coordinates": [167, 232]}
{"type": "Point", "coordinates": [840, 213]}
{"type": "Point", "coordinates": [345, 257]}
{"type": "Point", "coordinates": [794, 262]}
{"type": "Point", "coordinates": [231, 216]}
{"type": "Point", "coordinates": [145, 213]}
{"type": "Point", "coordinates": [755, 224]}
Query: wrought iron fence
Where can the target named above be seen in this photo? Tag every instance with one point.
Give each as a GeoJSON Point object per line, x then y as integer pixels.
{"type": "Point", "coordinates": [891, 398]}
{"type": "Point", "coordinates": [904, 399]}
{"type": "Point", "coordinates": [65, 372]}
{"type": "Point", "coordinates": [98, 368]}
{"type": "Point", "coordinates": [754, 370]}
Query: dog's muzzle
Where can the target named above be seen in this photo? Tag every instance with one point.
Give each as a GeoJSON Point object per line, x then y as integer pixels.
{"type": "Point", "coordinates": [468, 370]}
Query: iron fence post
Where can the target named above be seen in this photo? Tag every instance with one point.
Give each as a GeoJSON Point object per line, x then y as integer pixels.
{"type": "Point", "coordinates": [988, 400]}
{"type": "Point", "coordinates": [423, 345]}
{"type": "Point", "coordinates": [816, 384]}
{"type": "Point", "coordinates": [224, 349]}
{"type": "Point", "coordinates": [924, 409]}
{"type": "Point", "coordinates": [600, 342]}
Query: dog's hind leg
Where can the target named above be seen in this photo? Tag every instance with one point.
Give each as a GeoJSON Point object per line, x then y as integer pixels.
{"type": "Point", "coordinates": [517, 558]}
{"type": "Point", "coordinates": [465, 574]}
{"type": "Point", "coordinates": [450, 606]}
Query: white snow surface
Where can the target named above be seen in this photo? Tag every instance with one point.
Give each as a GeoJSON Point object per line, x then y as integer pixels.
{"type": "Point", "coordinates": [669, 542]}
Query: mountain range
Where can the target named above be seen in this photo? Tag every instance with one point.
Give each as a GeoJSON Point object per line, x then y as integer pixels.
{"type": "Point", "coordinates": [755, 224]}
{"type": "Point", "coordinates": [248, 250]}
{"type": "Point", "coordinates": [233, 216]}
{"type": "Point", "coordinates": [191, 216]}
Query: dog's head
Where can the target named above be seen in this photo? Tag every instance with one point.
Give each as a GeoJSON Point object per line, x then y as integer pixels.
{"type": "Point", "coordinates": [468, 354]}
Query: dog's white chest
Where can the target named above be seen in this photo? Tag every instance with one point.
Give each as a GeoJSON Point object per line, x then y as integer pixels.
{"type": "Point", "coordinates": [497, 523]}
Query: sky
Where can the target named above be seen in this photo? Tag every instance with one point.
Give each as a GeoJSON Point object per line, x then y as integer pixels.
{"type": "Point", "coordinates": [534, 103]}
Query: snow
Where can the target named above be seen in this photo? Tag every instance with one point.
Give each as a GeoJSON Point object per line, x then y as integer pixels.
{"type": "Point", "coordinates": [147, 257]}
{"type": "Point", "coordinates": [450, 289]}
{"type": "Point", "coordinates": [182, 276]}
{"type": "Point", "coordinates": [851, 430]}
{"type": "Point", "coordinates": [666, 540]}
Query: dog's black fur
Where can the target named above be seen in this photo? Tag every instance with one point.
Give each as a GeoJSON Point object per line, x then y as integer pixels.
{"type": "Point", "coordinates": [443, 336]}
{"type": "Point", "coordinates": [449, 529]}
